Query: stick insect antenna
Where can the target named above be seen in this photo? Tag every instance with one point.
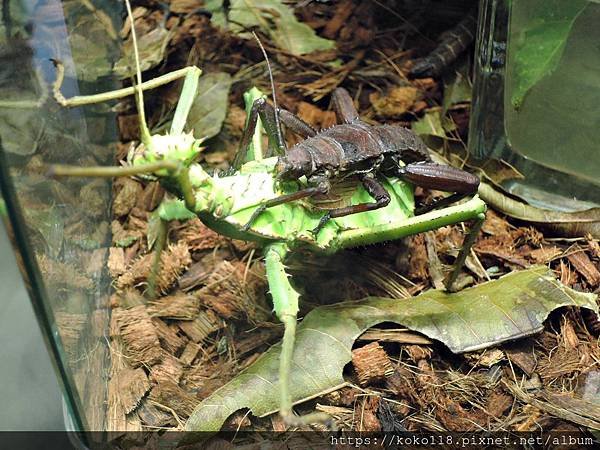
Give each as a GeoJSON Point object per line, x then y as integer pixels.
{"type": "Point", "coordinates": [264, 52]}
{"type": "Point", "coordinates": [139, 96]}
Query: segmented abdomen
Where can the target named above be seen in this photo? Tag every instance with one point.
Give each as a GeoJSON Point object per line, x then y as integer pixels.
{"type": "Point", "coordinates": [342, 147]}
{"type": "Point", "coordinates": [452, 44]}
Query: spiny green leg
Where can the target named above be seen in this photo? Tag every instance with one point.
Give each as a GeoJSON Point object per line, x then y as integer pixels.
{"type": "Point", "coordinates": [285, 302]}
{"type": "Point", "coordinates": [464, 251]}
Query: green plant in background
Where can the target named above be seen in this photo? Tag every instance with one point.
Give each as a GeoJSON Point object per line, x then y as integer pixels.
{"type": "Point", "coordinates": [539, 43]}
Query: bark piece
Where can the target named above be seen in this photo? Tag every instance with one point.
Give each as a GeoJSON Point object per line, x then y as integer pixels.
{"type": "Point", "coordinates": [585, 267]}
{"type": "Point", "coordinates": [168, 337]}
{"type": "Point", "coordinates": [522, 355]}
{"type": "Point", "coordinates": [116, 261]}
{"type": "Point", "coordinates": [172, 395]}
{"type": "Point", "coordinates": [196, 274]}
{"type": "Point", "coordinates": [365, 414]}
{"type": "Point", "coordinates": [151, 197]}
{"type": "Point", "coordinates": [189, 353]}
{"type": "Point", "coordinates": [371, 363]}
{"type": "Point", "coordinates": [340, 17]}
{"type": "Point", "coordinates": [545, 254]}
{"type": "Point", "coordinates": [199, 329]}
{"type": "Point", "coordinates": [173, 262]}
{"type": "Point", "coordinates": [128, 191]}
{"type": "Point", "coordinates": [139, 335]}
{"type": "Point", "coordinates": [133, 385]}
{"type": "Point", "coordinates": [168, 369]}
{"type": "Point", "coordinates": [153, 416]}
{"type": "Point", "coordinates": [232, 291]}
{"type": "Point", "coordinates": [198, 236]}
{"type": "Point", "coordinates": [178, 306]}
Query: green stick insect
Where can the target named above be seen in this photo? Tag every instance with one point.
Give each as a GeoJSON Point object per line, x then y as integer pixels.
{"type": "Point", "coordinates": [277, 201]}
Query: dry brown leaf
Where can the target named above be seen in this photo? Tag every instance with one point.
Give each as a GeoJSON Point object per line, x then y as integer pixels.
{"type": "Point", "coordinates": [395, 102]}
{"type": "Point", "coordinates": [315, 116]}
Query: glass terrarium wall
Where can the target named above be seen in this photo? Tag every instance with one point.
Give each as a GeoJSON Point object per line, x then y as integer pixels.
{"type": "Point", "coordinates": [60, 227]}
{"type": "Point", "coordinates": [537, 98]}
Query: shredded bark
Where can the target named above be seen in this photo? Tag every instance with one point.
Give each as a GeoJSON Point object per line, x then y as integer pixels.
{"type": "Point", "coordinates": [177, 306]}
{"type": "Point", "coordinates": [139, 335]}
{"type": "Point", "coordinates": [371, 363]}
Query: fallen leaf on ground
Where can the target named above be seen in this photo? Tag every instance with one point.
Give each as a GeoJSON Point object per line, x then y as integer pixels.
{"type": "Point", "coordinates": [472, 319]}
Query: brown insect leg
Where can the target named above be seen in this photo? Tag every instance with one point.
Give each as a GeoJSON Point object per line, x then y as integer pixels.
{"type": "Point", "coordinates": [464, 252]}
{"type": "Point", "coordinates": [321, 188]}
{"type": "Point", "coordinates": [342, 103]}
{"type": "Point", "coordinates": [266, 112]}
{"type": "Point", "coordinates": [375, 190]}
{"type": "Point", "coordinates": [439, 177]}
{"type": "Point", "coordinates": [296, 124]}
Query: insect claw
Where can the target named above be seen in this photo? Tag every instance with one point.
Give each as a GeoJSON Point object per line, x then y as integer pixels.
{"type": "Point", "coordinates": [321, 224]}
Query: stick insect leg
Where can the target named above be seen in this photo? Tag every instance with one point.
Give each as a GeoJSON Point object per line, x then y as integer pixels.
{"type": "Point", "coordinates": [375, 190]}
{"type": "Point", "coordinates": [266, 112]}
{"type": "Point", "coordinates": [285, 303]}
{"type": "Point", "coordinates": [342, 103]}
{"type": "Point", "coordinates": [80, 100]}
{"type": "Point", "coordinates": [464, 251]}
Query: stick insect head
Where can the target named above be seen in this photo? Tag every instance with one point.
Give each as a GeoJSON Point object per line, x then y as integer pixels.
{"type": "Point", "coordinates": [182, 148]}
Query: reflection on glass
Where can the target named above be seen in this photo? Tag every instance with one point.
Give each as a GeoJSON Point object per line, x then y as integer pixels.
{"type": "Point", "coordinates": [66, 221]}
{"type": "Point", "coordinates": [536, 98]}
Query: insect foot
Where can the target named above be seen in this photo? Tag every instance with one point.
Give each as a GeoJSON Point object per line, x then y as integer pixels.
{"type": "Point", "coordinates": [326, 218]}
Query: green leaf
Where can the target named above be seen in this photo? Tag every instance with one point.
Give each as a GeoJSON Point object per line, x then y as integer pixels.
{"type": "Point", "coordinates": [540, 42]}
{"type": "Point", "coordinates": [275, 19]}
{"type": "Point", "coordinates": [457, 88]}
{"type": "Point", "coordinates": [430, 125]}
{"type": "Point", "coordinates": [152, 48]}
{"type": "Point", "coordinates": [509, 308]}
{"type": "Point", "coordinates": [210, 105]}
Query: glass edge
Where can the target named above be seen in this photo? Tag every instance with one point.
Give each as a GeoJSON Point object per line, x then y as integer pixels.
{"type": "Point", "coordinates": [15, 224]}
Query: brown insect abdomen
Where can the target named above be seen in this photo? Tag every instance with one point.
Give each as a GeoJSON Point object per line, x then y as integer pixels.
{"type": "Point", "coordinates": [440, 177]}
